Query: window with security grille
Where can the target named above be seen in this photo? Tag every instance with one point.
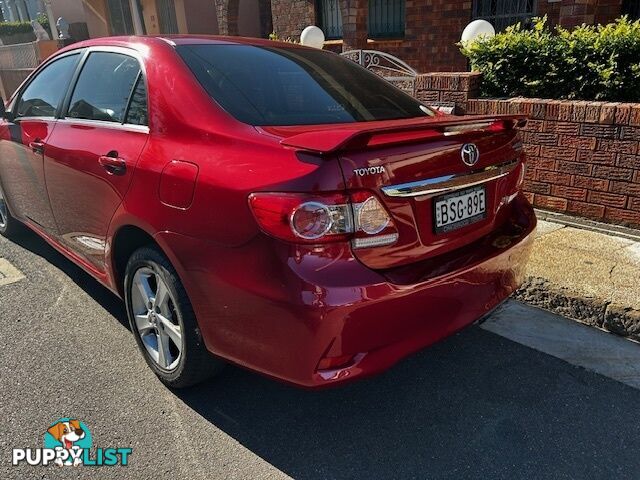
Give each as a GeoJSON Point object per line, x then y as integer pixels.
{"type": "Point", "coordinates": [386, 18]}
{"type": "Point", "coordinates": [120, 17]}
{"type": "Point", "coordinates": [503, 13]}
{"type": "Point", "coordinates": [631, 8]}
{"type": "Point", "coordinates": [330, 18]}
{"type": "Point", "coordinates": [167, 16]}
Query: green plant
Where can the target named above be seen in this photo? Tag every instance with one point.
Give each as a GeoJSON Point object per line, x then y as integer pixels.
{"type": "Point", "coordinates": [43, 20]}
{"type": "Point", "coordinates": [274, 37]}
{"type": "Point", "coordinates": [590, 62]}
{"type": "Point", "coordinates": [8, 29]}
{"type": "Point", "coordinates": [14, 28]}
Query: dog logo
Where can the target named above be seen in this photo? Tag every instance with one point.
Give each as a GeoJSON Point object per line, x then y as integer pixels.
{"type": "Point", "coordinates": [68, 442]}
{"type": "Point", "coordinates": [470, 154]}
{"type": "Point", "coordinates": [71, 435]}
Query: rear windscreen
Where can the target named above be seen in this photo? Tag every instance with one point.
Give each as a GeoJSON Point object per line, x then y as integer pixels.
{"type": "Point", "coordinates": [295, 86]}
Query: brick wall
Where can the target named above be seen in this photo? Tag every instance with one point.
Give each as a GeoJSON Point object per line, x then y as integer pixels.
{"type": "Point", "coordinates": [433, 27]}
{"type": "Point", "coordinates": [584, 157]}
{"type": "Point", "coordinates": [571, 13]}
{"type": "Point", "coordinates": [448, 89]}
{"type": "Point", "coordinates": [290, 17]}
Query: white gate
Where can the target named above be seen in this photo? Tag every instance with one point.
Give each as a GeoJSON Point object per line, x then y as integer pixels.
{"type": "Point", "coordinates": [391, 68]}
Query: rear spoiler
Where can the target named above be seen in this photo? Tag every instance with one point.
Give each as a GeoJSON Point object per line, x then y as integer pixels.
{"type": "Point", "coordinates": [331, 140]}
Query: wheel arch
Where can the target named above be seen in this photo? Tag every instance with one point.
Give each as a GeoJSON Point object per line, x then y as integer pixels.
{"type": "Point", "coordinates": [126, 240]}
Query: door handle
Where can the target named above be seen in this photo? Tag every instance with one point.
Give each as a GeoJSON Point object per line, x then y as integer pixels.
{"type": "Point", "coordinates": [37, 146]}
{"type": "Point", "coordinates": [113, 164]}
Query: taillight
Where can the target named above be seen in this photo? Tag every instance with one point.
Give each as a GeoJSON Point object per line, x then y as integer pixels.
{"type": "Point", "coordinates": [326, 217]}
{"type": "Point", "coordinates": [373, 226]}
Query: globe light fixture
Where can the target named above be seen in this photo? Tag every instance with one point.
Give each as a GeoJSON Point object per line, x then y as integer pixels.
{"type": "Point", "coordinates": [476, 30]}
{"type": "Point", "coordinates": [312, 36]}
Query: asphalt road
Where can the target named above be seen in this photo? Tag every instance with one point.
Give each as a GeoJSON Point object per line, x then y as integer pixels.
{"type": "Point", "coordinates": [475, 406]}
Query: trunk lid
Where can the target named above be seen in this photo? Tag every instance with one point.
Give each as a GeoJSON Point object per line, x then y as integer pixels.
{"type": "Point", "coordinates": [412, 165]}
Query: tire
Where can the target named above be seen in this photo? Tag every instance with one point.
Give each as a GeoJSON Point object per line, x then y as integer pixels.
{"type": "Point", "coordinates": [9, 226]}
{"type": "Point", "coordinates": [168, 313]}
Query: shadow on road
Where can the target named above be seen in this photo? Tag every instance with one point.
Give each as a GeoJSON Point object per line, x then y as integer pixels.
{"type": "Point", "coordinates": [32, 242]}
{"type": "Point", "coordinates": [474, 406]}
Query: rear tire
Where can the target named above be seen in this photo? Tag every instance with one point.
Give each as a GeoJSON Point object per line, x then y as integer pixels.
{"type": "Point", "coordinates": [9, 226]}
{"type": "Point", "coordinates": [163, 322]}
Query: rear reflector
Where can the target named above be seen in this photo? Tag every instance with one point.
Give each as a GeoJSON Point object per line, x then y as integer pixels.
{"type": "Point", "coordinates": [377, 241]}
{"type": "Point", "coordinates": [331, 363]}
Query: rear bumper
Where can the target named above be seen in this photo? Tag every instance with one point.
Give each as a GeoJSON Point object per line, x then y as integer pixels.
{"type": "Point", "coordinates": [280, 309]}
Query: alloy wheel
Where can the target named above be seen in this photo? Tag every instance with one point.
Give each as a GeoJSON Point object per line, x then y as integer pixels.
{"type": "Point", "coordinates": [156, 318]}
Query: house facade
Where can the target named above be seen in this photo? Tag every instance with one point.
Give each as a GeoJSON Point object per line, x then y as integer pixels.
{"type": "Point", "coordinates": [423, 33]}
{"type": "Point", "coordinates": [250, 18]}
{"type": "Point", "coordinates": [28, 10]}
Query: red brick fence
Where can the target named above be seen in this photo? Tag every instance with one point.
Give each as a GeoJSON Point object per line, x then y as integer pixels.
{"type": "Point", "coordinates": [584, 157]}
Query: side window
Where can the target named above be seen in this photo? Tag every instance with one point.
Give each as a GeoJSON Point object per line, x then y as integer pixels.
{"type": "Point", "coordinates": [43, 95]}
{"type": "Point", "coordinates": [330, 18]}
{"type": "Point", "coordinates": [104, 87]}
{"type": "Point", "coordinates": [386, 18]}
{"type": "Point", "coordinates": [504, 13]}
{"type": "Point", "coordinates": [137, 113]}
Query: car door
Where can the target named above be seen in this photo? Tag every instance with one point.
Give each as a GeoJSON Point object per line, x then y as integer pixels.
{"type": "Point", "coordinates": [94, 149]}
{"type": "Point", "coordinates": [24, 141]}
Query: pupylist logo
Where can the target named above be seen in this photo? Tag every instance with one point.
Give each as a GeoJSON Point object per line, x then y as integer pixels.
{"type": "Point", "coordinates": [68, 442]}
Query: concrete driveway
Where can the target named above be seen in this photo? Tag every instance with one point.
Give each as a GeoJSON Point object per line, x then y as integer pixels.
{"type": "Point", "coordinates": [475, 406]}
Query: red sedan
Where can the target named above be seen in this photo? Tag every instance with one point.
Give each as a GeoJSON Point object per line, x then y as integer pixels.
{"type": "Point", "coordinates": [263, 203]}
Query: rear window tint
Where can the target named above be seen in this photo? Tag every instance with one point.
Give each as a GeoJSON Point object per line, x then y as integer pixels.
{"type": "Point", "coordinates": [295, 86]}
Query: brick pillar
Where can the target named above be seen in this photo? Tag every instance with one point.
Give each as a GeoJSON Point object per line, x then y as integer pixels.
{"type": "Point", "coordinates": [227, 11]}
{"type": "Point", "coordinates": [290, 17]}
{"type": "Point", "coordinates": [452, 90]}
{"type": "Point", "coordinates": [354, 24]}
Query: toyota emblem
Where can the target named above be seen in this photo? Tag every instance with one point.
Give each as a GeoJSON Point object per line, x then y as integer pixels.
{"type": "Point", "coordinates": [470, 154]}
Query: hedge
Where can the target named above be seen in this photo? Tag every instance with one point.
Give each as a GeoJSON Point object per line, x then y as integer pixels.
{"type": "Point", "coordinates": [588, 63]}
{"type": "Point", "coordinates": [8, 29]}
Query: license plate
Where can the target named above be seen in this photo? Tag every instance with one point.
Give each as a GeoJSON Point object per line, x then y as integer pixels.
{"type": "Point", "coordinates": [459, 209]}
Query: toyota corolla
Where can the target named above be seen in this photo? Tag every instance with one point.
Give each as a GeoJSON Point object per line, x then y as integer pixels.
{"type": "Point", "coordinates": [265, 204]}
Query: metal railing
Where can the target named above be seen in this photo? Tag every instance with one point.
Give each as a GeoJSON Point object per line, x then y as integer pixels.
{"type": "Point", "coordinates": [16, 63]}
{"type": "Point", "coordinates": [391, 68]}
{"type": "Point", "coordinates": [19, 56]}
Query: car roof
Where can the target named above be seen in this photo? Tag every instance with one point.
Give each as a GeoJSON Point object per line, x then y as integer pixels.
{"type": "Point", "coordinates": [142, 41]}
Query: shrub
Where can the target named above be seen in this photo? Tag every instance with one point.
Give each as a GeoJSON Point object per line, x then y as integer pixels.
{"type": "Point", "coordinates": [276, 38]}
{"type": "Point", "coordinates": [7, 29]}
{"type": "Point", "coordinates": [590, 62]}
